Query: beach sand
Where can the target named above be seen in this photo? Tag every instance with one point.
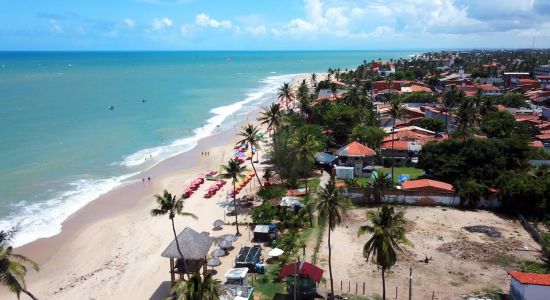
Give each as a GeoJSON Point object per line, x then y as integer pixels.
{"type": "Point", "coordinates": [110, 249]}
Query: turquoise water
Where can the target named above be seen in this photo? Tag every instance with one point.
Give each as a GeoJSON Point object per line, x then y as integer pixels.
{"type": "Point", "coordinates": [62, 147]}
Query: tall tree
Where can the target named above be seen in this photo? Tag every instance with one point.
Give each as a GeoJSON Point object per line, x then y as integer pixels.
{"type": "Point", "coordinates": [448, 103]}
{"type": "Point", "coordinates": [380, 183]}
{"type": "Point", "coordinates": [250, 136]}
{"type": "Point", "coordinates": [388, 232]}
{"type": "Point", "coordinates": [332, 207]}
{"type": "Point", "coordinates": [396, 112]}
{"type": "Point", "coordinates": [285, 93]}
{"type": "Point", "coordinates": [170, 205]}
{"type": "Point", "coordinates": [305, 146]}
{"type": "Point", "coordinates": [197, 288]}
{"type": "Point", "coordinates": [466, 116]}
{"type": "Point", "coordinates": [303, 98]}
{"type": "Point", "coordinates": [13, 267]}
{"type": "Point", "coordinates": [272, 116]}
{"type": "Point", "coordinates": [314, 79]}
{"type": "Point", "coordinates": [235, 171]}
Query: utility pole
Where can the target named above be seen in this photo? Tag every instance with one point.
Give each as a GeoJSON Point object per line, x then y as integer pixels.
{"type": "Point", "coordinates": [410, 282]}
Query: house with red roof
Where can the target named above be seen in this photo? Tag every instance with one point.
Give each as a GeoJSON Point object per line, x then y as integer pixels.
{"type": "Point", "coordinates": [529, 286]}
{"type": "Point", "coordinates": [489, 89]}
{"type": "Point", "coordinates": [358, 156]}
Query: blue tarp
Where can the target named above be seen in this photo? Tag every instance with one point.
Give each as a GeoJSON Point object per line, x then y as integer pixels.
{"type": "Point", "coordinates": [325, 158]}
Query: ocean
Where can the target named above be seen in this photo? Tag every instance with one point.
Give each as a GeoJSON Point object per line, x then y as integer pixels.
{"type": "Point", "coordinates": [62, 146]}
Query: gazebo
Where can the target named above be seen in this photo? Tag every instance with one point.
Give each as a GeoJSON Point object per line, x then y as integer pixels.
{"type": "Point", "coordinates": [355, 155]}
{"type": "Point", "coordinates": [194, 246]}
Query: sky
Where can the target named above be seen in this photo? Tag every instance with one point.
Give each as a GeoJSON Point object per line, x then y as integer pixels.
{"type": "Point", "coordinates": [272, 24]}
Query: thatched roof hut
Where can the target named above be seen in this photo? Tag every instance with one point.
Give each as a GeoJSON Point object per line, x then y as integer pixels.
{"type": "Point", "coordinates": [193, 245]}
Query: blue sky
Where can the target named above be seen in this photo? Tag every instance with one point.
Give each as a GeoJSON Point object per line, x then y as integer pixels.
{"type": "Point", "coordinates": [272, 25]}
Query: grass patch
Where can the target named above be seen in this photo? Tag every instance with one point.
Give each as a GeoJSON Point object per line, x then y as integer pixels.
{"type": "Point", "coordinates": [312, 183]}
{"type": "Point", "coordinates": [268, 285]}
{"type": "Point", "coordinates": [320, 230]}
{"type": "Point", "coordinates": [412, 172]}
{"type": "Point", "coordinates": [534, 267]}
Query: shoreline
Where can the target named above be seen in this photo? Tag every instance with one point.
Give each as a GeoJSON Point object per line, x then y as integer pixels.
{"type": "Point", "coordinates": [114, 239]}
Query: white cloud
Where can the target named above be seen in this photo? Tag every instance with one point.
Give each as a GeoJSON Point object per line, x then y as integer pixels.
{"type": "Point", "coordinates": [256, 30]}
{"type": "Point", "coordinates": [160, 24]}
{"type": "Point", "coordinates": [129, 23]}
{"type": "Point", "coordinates": [204, 20]}
{"type": "Point", "coordinates": [55, 26]}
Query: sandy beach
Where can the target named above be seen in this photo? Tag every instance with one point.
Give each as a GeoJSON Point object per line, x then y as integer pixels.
{"type": "Point", "coordinates": [110, 249]}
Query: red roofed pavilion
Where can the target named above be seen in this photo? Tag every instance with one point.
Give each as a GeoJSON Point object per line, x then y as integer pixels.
{"type": "Point", "coordinates": [529, 286]}
{"type": "Point", "coordinates": [303, 269]}
{"type": "Point", "coordinates": [355, 149]}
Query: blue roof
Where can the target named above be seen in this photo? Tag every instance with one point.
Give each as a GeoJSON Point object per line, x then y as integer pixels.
{"type": "Point", "coordinates": [325, 158]}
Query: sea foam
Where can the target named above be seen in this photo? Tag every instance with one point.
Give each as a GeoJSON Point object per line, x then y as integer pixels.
{"type": "Point", "coordinates": [44, 219]}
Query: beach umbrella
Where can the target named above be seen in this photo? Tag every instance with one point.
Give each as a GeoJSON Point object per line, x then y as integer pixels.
{"type": "Point", "coordinates": [219, 223]}
{"type": "Point", "coordinates": [275, 252]}
{"type": "Point", "coordinates": [225, 244]}
{"type": "Point", "coordinates": [230, 238]}
{"type": "Point", "coordinates": [218, 253]}
{"type": "Point", "coordinates": [214, 262]}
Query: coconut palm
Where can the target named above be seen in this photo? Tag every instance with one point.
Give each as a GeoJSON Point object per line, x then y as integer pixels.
{"type": "Point", "coordinates": [314, 79]}
{"type": "Point", "coordinates": [250, 136]}
{"type": "Point", "coordinates": [285, 93]}
{"type": "Point", "coordinates": [332, 207]}
{"type": "Point", "coordinates": [380, 183]}
{"type": "Point", "coordinates": [466, 115]}
{"type": "Point", "coordinates": [197, 288]}
{"type": "Point", "coordinates": [235, 171]}
{"type": "Point", "coordinates": [271, 116]}
{"type": "Point", "coordinates": [449, 101]}
{"type": "Point", "coordinates": [388, 232]}
{"type": "Point", "coordinates": [303, 97]}
{"type": "Point", "coordinates": [13, 267]}
{"type": "Point", "coordinates": [333, 90]}
{"type": "Point", "coordinates": [305, 146]}
{"type": "Point", "coordinates": [169, 204]}
{"type": "Point", "coordinates": [396, 112]}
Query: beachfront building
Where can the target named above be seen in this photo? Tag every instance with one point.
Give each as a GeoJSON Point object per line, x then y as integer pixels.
{"type": "Point", "coordinates": [194, 246]}
{"type": "Point", "coordinates": [542, 70]}
{"type": "Point", "coordinates": [529, 286]}
{"type": "Point", "coordinates": [357, 156]}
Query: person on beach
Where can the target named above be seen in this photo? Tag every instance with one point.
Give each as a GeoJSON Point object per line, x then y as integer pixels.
{"type": "Point", "coordinates": [143, 180]}
{"type": "Point", "coordinates": [148, 178]}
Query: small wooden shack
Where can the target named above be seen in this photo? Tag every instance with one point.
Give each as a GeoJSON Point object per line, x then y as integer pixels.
{"type": "Point", "coordinates": [194, 246]}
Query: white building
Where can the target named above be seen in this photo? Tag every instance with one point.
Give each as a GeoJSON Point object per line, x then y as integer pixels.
{"type": "Point", "coordinates": [529, 286]}
{"type": "Point", "coordinates": [542, 70]}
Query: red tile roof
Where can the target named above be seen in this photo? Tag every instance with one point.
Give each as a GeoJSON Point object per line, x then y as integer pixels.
{"type": "Point", "coordinates": [305, 269]}
{"type": "Point", "coordinates": [531, 278]}
{"type": "Point", "coordinates": [536, 144]}
{"type": "Point", "coordinates": [419, 88]}
{"type": "Point", "coordinates": [397, 145]}
{"type": "Point", "coordinates": [488, 87]}
{"type": "Point", "coordinates": [423, 183]}
{"type": "Point", "coordinates": [520, 118]}
{"type": "Point", "coordinates": [355, 149]}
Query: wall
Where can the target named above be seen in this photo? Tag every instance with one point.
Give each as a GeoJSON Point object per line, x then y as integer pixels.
{"type": "Point", "coordinates": [536, 292]}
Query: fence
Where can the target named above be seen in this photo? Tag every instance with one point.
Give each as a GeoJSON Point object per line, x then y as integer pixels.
{"type": "Point", "coordinates": [532, 231]}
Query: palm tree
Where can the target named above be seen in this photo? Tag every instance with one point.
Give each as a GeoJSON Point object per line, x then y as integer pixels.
{"type": "Point", "coordinates": [271, 116]}
{"type": "Point", "coordinates": [249, 134]}
{"type": "Point", "coordinates": [381, 182]}
{"type": "Point", "coordinates": [305, 146]}
{"type": "Point", "coordinates": [285, 93]}
{"type": "Point", "coordinates": [397, 111]}
{"type": "Point", "coordinates": [168, 204]}
{"type": "Point", "coordinates": [466, 116]}
{"type": "Point", "coordinates": [333, 90]}
{"type": "Point", "coordinates": [314, 79]}
{"type": "Point", "coordinates": [197, 288]}
{"type": "Point", "coordinates": [13, 267]}
{"type": "Point", "coordinates": [234, 170]}
{"type": "Point", "coordinates": [388, 232]}
{"type": "Point", "coordinates": [303, 97]}
{"type": "Point", "coordinates": [448, 103]}
{"type": "Point", "coordinates": [332, 207]}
